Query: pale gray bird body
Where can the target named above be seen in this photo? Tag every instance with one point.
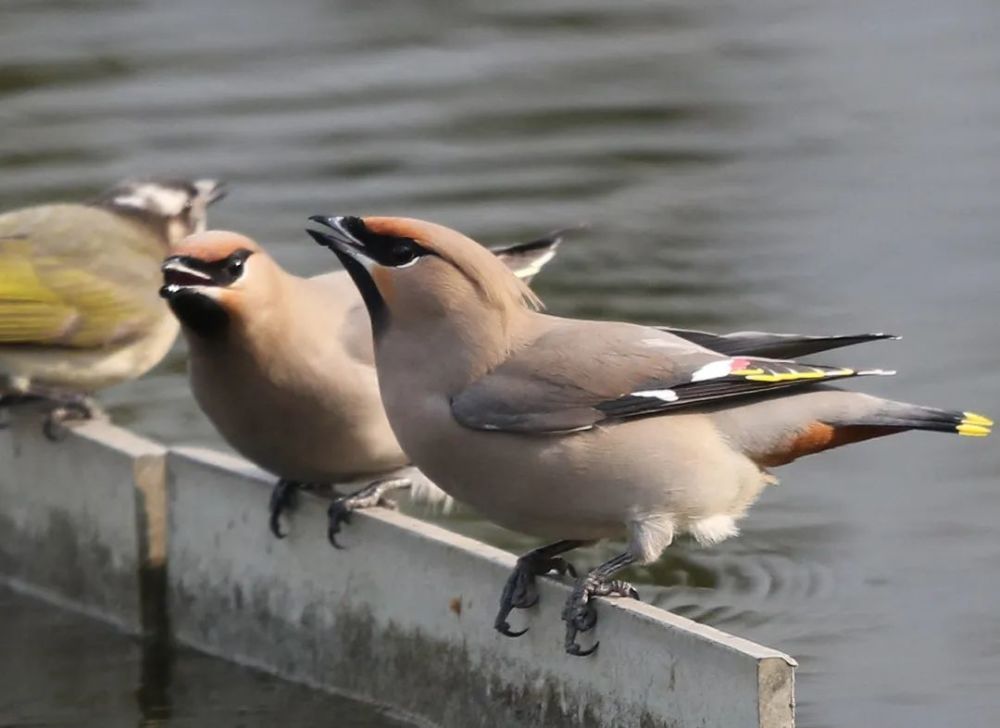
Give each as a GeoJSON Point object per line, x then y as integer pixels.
{"type": "Point", "coordinates": [79, 309]}
{"type": "Point", "coordinates": [582, 430]}
{"type": "Point", "coordinates": [264, 367]}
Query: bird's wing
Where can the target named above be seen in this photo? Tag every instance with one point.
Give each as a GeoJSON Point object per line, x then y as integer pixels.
{"type": "Point", "coordinates": [75, 276]}
{"type": "Point", "coordinates": [581, 373]}
{"type": "Point", "coordinates": [776, 346]}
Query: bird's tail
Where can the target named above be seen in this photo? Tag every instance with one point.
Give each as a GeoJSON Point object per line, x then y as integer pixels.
{"type": "Point", "coordinates": [780, 430]}
{"type": "Point", "coordinates": [903, 416]}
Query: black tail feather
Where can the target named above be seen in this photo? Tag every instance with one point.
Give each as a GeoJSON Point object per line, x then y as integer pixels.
{"type": "Point", "coordinates": [774, 346]}
{"type": "Point", "coordinates": [916, 417]}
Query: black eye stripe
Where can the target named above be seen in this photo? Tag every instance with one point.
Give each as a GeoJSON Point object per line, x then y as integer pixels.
{"type": "Point", "coordinates": [223, 271]}
{"type": "Point", "coordinates": [388, 250]}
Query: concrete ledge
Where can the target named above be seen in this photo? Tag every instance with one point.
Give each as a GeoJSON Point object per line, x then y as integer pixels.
{"type": "Point", "coordinates": [83, 520]}
{"type": "Point", "coordinates": [408, 608]}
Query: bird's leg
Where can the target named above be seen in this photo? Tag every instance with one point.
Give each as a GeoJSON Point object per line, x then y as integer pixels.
{"type": "Point", "coordinates": [579, 614]}
{"type": "Point", "coordinates": [68, 408]}
{"type": "Point", "coordinates": [284, 496]}
{"type": "Point", "coordinates": [520, 591]}
{"type": "Point", "coordinates": [368, 497]}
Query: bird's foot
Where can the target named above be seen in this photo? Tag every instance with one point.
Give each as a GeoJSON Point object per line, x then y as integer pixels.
{"type": "Point", "coordinates": [521, 592]}
{"type": "Point", "coordinates": [69, 408]}
{"type": "Point", "coordinates": [370, 496]}
{"type": "Point", "coordinates": [579, 613]}
{"type": "Point", "coordinates": [284, 497]}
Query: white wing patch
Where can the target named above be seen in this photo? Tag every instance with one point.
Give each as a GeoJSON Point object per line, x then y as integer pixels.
{"type": "Point", "coordinates": [667, 395]}
{"type": "Point", "coordinates": [713, 370]}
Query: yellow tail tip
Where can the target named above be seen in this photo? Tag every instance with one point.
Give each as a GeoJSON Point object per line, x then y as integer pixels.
{"type": "Point", "coordinates": [973, 430]}
{"type": "Point", "coordinates": [971, 418]}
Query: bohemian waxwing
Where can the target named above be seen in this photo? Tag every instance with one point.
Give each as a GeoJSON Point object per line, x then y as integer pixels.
{"type": "Point", "coordinates": [78, 304]}
{"type": "Point", "coordinates": [577, 430]}
{"type": "Point", "coordinates": [278, 387]}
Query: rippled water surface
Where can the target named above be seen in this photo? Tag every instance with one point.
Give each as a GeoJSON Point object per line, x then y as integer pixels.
{"type": "Point", "coordinates": [786, 165]}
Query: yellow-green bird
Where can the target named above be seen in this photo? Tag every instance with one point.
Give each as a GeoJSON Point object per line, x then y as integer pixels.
{"type": "Point", "coordinates": [79, 303]}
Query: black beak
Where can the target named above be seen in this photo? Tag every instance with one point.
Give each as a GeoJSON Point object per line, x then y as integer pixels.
{"type": "Point", "coordinates": [354, 257]}
{"type": "Point", "coordinates": [339, 237]}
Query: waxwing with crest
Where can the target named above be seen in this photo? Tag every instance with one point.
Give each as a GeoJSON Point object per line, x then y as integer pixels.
{"type": "Point", "coordinates": [576, 431]}
{"type": "Point", "coordinates": [283, 366]}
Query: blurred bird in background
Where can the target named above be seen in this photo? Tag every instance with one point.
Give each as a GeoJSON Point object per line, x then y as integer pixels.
{"type": "Point", "coordinates": [577, 431]}
{"type": "Point", "coordinates": [79, 309]}
{"type": "Point", "coordinates": [284, 368]}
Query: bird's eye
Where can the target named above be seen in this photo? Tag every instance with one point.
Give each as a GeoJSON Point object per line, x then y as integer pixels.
{"type": "Point", "coordinates": [235, 267]}
{"type": "Point", "coordinates": [402, 252]}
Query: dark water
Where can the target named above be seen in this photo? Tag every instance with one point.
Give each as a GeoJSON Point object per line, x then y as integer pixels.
{"type": "Point", "coordinates": [791, 165]}
{"type": "Point", "coordinates": [61, 669]}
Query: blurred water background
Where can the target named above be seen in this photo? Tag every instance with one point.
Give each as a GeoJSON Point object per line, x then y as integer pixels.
{"type": "Point", "coordinates": [788, 165]}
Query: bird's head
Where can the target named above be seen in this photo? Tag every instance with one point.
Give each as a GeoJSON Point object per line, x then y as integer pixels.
{"type": "Point", "coordinates": [413, 271]}
{"type": "Point", "coordinates": [175, 208]}
{"type": "Point", "coordinates": [213, 277]}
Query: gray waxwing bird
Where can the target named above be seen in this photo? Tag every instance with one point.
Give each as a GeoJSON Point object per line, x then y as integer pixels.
{"type": "Point", "coordinates": [279, 388]}
{"type": "Point", "coordinates": [78, 289]}
{"type": "Point", "coordinates": [575, 430]}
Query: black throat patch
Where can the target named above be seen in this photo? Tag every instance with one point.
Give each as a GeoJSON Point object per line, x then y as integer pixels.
{"type": "Point", "coordinates": [199, 313]}
{"type": "Point", "coordinates": [378, 311]}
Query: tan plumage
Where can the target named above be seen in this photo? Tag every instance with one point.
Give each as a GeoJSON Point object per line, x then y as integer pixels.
{"type": "Point", "coordinates": [78, 286]}
{"type": "Point", "coordinates": [289, 378]}
{"type": "Point", "coordinates": [582, 430]}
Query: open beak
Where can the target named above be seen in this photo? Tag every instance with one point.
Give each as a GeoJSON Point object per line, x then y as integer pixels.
{"type": "Point", "coordinates": [181, 272]}
{"type": "Point", "coordinates": [339, 239]}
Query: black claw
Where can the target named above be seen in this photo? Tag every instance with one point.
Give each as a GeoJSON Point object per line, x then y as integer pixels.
{"type": "Point", "coordinates": [582, 621]}
{"type": "Point", "coordinates": [504, 629]}
{"type": "Point", "coordinates": [337, 514]}
{"type": "Point", "coordinates": [581, 616]}
{"type": "Point", "coordinates": [518, 593]}
{"type": "Point", "coordinates": [370, 496]}
{"type": "Point", "coordinates": [282, 498]}
{"type": "Point", "coordinates": [574, 649]}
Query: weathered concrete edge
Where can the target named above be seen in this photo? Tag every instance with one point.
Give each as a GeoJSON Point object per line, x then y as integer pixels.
{"type": "Point", "coordinates": [140, 470]}
{"type": "Point", "coordinates": [775, 670]}
{"type": "Point", "coordinates": [137, 525]}
{"type": "Point", "coordinates": [227, 463]}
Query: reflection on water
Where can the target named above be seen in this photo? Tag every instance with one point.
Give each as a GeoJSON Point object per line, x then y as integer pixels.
{"type": "Point", "coordinates": [61, 669]}
{"type": "Point", "coordinates": [811, 166]}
